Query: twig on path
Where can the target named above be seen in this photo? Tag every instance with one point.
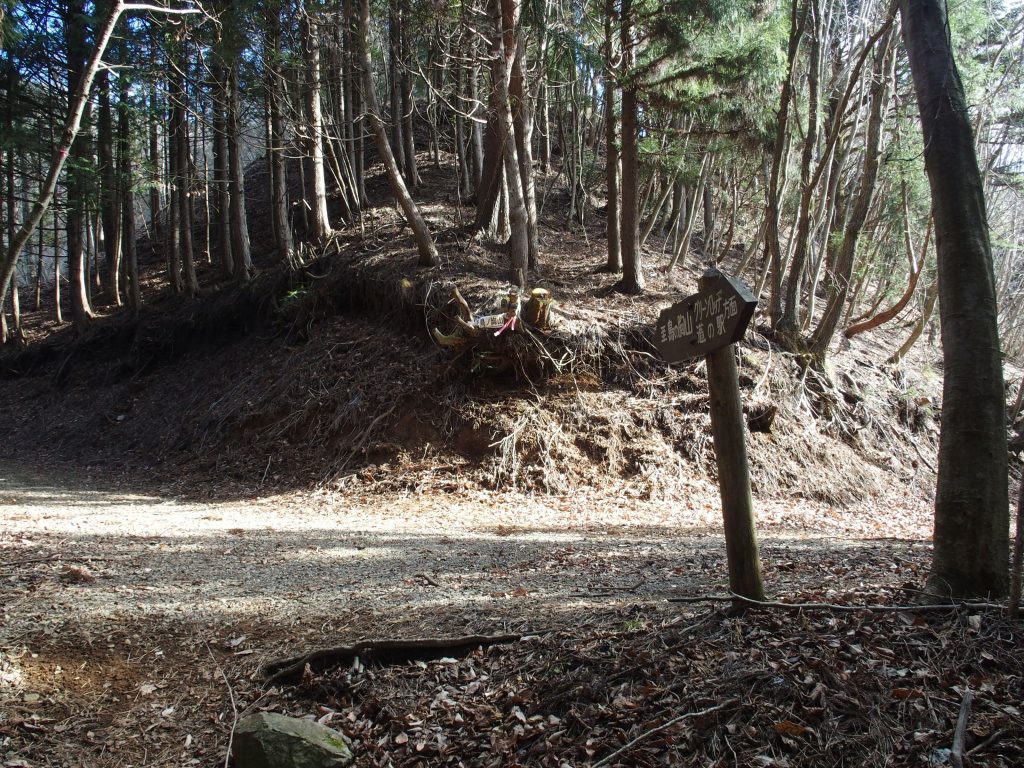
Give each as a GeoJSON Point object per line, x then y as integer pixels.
{"type": "Point", "coordinates": [996, 736]}
{"type": "Point", "coordinates": [427, 579]}
{"type": "Point", "coordinates": [956, 755]}
{"type": "Point", "coordinates": [234, 704]}
{"type": "Point", "coordinates": [667, 724]}
{"type": "Point", "coordinates": [732, 597]}
{"type": "Point", "coordinates": [385, 651]}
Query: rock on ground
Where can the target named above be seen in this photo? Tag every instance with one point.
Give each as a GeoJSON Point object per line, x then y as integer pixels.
{"type": "Point", "coordinates": [268, 740]}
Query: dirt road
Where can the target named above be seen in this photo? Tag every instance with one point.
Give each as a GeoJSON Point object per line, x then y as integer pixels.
{"type": "Point", "coordinates": [132, 618]}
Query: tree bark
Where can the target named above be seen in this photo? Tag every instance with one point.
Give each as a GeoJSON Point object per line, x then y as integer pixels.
{"type": "Point", "coordinates": [221, 173]}
{"type": "Point", "coordinates": [412, 174]}
{"type": "Point", "coordinates": [522, 118]}
{"type": "Point", "coordinates": [109, 191]}
{"type": "Point", "coordinates": [126, 195]}
{"type": "Point", "coordinates": [278, 166]}
{"type": "Point", "coordinates": [424, 242]}
{"type": "Point", "coordinates": [315, 177]}
{"type": "Point", "coordinates": [632, 267]}
{"type": "Point", "coordinates": [971, 548]}
{"type": "Point", "coordinates": [240, 250]}
{"type": "Point", "coordinates": [789, 322]}
{"type": "Point", "coordinates": [395, 85]}
{"type": "Point", "coordinates": [613, 263]}
{"type": "Point", "coordinates": [505, 17]}
{"type": "Point", "coordinates": [77, 183]}
{"type": "Point", "coordinates": [773, 191]}
{"type": "Point", "coordinates": [183, 166]}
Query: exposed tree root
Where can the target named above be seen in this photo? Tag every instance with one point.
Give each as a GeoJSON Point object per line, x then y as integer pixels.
{"type": "Point", "coordinates": [380, 652]}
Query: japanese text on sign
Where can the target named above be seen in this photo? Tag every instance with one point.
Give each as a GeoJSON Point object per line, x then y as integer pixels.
{"type": "Point", "coordinates": [707, 317]}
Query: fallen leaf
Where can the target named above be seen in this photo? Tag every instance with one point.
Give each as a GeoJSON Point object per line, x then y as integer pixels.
{"type": "Point", "coordinates": [789, 728]}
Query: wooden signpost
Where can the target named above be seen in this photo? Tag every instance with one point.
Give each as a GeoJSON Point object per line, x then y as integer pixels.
{"type": "Point", "coordinates": [709, 323]}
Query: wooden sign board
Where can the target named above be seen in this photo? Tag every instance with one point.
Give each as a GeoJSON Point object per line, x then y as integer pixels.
{"type": "Point", "coordinates": [715, 317]}
{"type": "Point", "coordinates": [709, 323]}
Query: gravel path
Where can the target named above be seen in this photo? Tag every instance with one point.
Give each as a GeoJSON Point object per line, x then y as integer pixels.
{"type": "Point", "coordinates": [125, 612]}
{"type": "Point", "coordinates": [117, 554]}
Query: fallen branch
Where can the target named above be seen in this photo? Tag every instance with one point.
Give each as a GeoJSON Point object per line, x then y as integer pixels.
{"type": "Point", "coordinates": [380, 651]}
{"type": "Point", "coordinates": [667, 724]}
{"type": "Point", "coordinates": [834, 606]}
{"type": "Point", "coordinates": [956, 755]}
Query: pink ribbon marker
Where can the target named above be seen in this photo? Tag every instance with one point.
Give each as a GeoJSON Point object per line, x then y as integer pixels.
{"type": "Point", "coordinates": [510, 323]}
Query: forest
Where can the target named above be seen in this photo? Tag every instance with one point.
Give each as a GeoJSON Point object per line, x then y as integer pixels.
{"type": "Point", "coordinates": [335, 396]}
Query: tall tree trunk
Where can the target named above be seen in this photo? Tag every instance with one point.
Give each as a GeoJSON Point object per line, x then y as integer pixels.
{"type": "Point", "coordinates": [412, 175]}
{"type": "Point", "coordinates": [353, 107]}
{"type": "Point", "coordinates": [613, 263]}
{"type": "Point", "coordinates": [12, 229]}
{"type": "Point", "coordinates": [154, 163]}
{"type": "Point", "coordinates": [466, 179]}
{"type": "Point", "coordinates": [490, 189]}
{"type": "Point", "coordinates": [789, 322]}
{"type": "Point", "coordinates": [395, 85]}
{"type": "Point", "coordinates": [476, 129]}
{"type": "Point", "coordinates": [773, 191]}
{"type": "Point", "coordinates": [424, 242]}
{"type": "Point", "coordinates": [76, 36]}
{"type": "Point", "coordinates": [58, 314]}
{"type": "Point", "coordinates": [240, 251]}
{"type": "Point", "coordinates": [839, 290]}
{"type": "Point", "coordinates": [109, 192]}
{"type": "Point", "coordinates": [358, 106]}
{"type": "Point", "coordinates": [278, 162]}
{"type": "Point", "coordinates": [126, 193]}
{"type": "Point", "coordinates": [172, 234]}
{"type": "Point", "coordinates": [971, 549]}
{"type": "Point", "coordinates": [505, 16]}
{"type": "Point", "coordinates": [321, 226]}
{"type": "Point", "coordinates": [40, 266]}
{"type": "Point", "coordinates": [522, 118]}
{"type": "Point", "coordinates": [183, 166]}
{"type": "Point", "coordinates": [632, 267]}
{"type": "Point", "coordinates": [221, 172]}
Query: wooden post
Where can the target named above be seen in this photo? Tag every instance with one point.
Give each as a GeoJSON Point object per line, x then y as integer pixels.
{"type": "Point", "coordinates": [733, 473]}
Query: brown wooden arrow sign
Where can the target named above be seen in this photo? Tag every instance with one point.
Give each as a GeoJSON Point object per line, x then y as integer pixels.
{"type": "Point", "coordinates": [716, 316]}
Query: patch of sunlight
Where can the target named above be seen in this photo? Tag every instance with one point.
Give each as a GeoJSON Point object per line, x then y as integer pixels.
{"type": "Point", "coordinates": [10, 671]}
